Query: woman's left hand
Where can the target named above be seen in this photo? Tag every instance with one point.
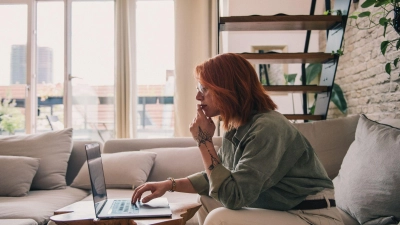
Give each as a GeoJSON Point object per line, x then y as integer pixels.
{"type": "Point", "coordinates": [202, 127]}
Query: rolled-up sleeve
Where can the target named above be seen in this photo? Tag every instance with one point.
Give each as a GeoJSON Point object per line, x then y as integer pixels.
{"type": "Point", "coordinates": [217, 177]}
{"type": "Point", "coordinates": [200, 182]}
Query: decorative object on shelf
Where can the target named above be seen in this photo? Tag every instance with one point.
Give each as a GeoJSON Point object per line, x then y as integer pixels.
{"type": "Point", "coordinates": [313, 73]}
{"type": "Point", "coordinates": [384, 18]}
{"type": "Point", "coordinates": [11, 118]}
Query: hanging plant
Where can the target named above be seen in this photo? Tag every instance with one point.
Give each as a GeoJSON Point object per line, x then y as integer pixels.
{"type": "Point", "coordinates": [386, 16]}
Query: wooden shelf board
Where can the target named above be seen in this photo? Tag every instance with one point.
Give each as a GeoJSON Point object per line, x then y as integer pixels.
{"type": "Point", "coordinates": [272, 89]}
{"type": "Point", "coordinates": [303, 117]}
{"type": "Point", "coordinates": [289, 22]}
{"type": "Point", "coordinates": [286, 58]}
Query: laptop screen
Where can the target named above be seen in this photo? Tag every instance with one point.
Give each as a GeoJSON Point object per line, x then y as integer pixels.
{"type": "Point", "coordinates": [96, 175]}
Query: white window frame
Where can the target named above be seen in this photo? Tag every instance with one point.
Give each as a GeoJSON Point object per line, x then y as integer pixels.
{"type": "Point", "coordinates": [31, 105]}
{"type": "Point", "coordinates": [30, 94]}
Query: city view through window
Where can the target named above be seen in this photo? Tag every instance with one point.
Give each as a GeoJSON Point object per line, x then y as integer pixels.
{"type": "Point", "coordinates": [92, 68]}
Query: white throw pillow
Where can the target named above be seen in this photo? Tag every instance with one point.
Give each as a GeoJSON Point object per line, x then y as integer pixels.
{"type": "Point", "coordinates": [188, 159]}
{"type": "Point", "coordinates": [367, 187]}
{"type": "Point", "coordinates": [52, 148]}
{"type": "Point", "coordinates": [16, 175]}
{"type": "Point", "coordinates": [121, 170]}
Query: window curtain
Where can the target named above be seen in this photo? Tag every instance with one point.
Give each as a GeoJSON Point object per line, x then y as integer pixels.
{"type": "Point", "coordinates": [125, 82]}
{"type": "Point", "coordinates": [195, 38]}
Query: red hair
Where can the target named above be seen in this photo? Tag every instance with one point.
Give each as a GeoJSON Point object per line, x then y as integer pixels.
{"type": "Point", "coordinates": [235, 87]}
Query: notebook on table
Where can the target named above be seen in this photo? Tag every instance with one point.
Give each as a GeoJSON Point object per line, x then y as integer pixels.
{"type": "Point", "coordinates": [118, 208]}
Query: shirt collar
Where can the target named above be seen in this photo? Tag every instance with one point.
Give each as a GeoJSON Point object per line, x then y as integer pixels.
{"type": "Point", "coordinates": [237, 134]}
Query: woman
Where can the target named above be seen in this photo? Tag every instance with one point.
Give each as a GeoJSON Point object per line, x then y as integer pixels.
{"type": "Point", "coordinates": [265, 172]}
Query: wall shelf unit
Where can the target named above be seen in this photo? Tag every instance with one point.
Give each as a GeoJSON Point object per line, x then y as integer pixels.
{"type": "Point", "coordinates": [334, 25]}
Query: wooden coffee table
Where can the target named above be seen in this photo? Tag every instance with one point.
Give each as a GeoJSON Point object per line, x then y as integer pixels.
{"type": "Point", "coordinates": [82, 213]}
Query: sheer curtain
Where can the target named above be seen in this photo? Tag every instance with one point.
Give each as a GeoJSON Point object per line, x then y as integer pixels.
{"type": "Point", "coordinates": [195, 37]}
{"type": "Point", "coordinates": [125, 83]}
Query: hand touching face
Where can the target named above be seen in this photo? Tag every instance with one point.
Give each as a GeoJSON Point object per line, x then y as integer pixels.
{"type": "Point", "coordinates": [202, 127]}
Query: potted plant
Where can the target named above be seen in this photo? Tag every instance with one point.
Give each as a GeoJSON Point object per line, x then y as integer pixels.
{"type": "Point", "coordinates": [313, 73]}
{"type": "Point", "coordinates": [386, 14]}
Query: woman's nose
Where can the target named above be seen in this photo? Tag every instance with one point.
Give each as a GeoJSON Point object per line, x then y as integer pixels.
{"type": "Point", "coordinates": [199, 96]}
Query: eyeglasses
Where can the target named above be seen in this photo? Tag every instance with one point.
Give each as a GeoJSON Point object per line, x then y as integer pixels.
{"type": "Point", "coordinates": [201, 89]}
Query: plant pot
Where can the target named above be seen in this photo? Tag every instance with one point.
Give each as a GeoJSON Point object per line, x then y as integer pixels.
{"type": "Point", "coordinates": [396, 19]}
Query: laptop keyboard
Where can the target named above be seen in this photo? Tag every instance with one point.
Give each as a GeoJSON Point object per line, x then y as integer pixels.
{"type": "Point", "coordinates": [124, 206]}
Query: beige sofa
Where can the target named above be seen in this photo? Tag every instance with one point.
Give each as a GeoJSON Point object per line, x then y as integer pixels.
{"type": "Point", "coordinates": [169, 157]}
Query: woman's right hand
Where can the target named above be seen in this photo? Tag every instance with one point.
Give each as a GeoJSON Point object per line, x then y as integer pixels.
{"type": "Point", "coordinates": [157, 189]}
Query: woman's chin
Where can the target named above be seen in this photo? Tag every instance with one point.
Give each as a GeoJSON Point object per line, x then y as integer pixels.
{"type": "Point", "coordinates": [210, 114]}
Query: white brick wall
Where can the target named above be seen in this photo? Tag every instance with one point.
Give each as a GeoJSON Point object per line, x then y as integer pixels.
{"type": "Point", "coordinates": [361, 73]}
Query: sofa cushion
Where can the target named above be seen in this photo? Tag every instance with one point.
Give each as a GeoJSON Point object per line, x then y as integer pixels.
{"type": "Point", "coordinates": [18, 222]}
{"type": "Point", "coordinates": [121, 170]}
{"type": "Point", "coordinates": [52, 148]}
{"type": "Point", "coordinates": [367, 187]}
{"type": "Point", "coordinates": [16, 175]}
{"type": "Point", "coordinates": [40, 204]}
{"type": "Point", "coordinates": [165, 166]}
{"type": "Point", "coordinates": [330, 139]}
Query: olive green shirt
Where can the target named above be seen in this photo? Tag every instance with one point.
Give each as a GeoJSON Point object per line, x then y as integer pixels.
{"type": "Point", "coordinates": [266, 163]}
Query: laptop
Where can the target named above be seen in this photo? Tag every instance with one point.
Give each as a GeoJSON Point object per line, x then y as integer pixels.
{"type": "Point", "coordinates": [118, 208]}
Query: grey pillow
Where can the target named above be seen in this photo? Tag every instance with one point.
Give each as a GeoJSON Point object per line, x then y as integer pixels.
{"type": "Point", "coordinates": [52, 148]}
{"type": "Point", "coordinates": [121, 170]}
{"type": "Point", "coordinates": [16, 175]}
{"type": "Point", "coordinates": [367, 187]}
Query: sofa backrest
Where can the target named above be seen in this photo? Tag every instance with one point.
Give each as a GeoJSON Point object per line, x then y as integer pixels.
{"type": "Point", "coordinates": [176, 157]}
{"type": "Point", "coordinates": [122, 145]}
{"type": "Point", "coordinates": [77, 159]}
{"type": "Point", "coordinates": [330, 139]}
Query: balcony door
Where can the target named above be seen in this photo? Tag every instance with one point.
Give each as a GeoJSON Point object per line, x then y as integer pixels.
{"type": "Point", "coordinates": [90, 71]}
{"type": "Point", "coordinates": [16, 70]}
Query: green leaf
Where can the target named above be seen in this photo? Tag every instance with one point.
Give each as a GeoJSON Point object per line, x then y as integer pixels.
{"type": "Point", "coordinates": [382, 2]}
{"type": "Point", "coordinates": [382, 21]}
{"type": "Point", "coordinates": [395, 62]}
{"type": "Point", "coordinates": [290, 78]}
{"type": "Point", "coordinates": [384, 46]}
{"type": "Point", "coordinates": [388, 69]}
{"type": "Point", "coordinates": [364, 14]}
{"type": "Point", "coordinates": [368, 3]}
{"type": "Point", "coordinates": [312, 108]}
{"type": "Point", "coordinates": [338, 98]}
{"type": "Point", "coordinates": [313, 70]}
{"type": "Point", "coordinates": [353, 17]}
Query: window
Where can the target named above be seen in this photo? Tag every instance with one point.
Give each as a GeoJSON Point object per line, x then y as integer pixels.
{"type": "Point", "coordinates": [13, 66]}
{"type": "Point", "coordinates": [64, 75]}
{"type": "Point", "coordinates": [155, 67]}
{"type": "Point", "coordinates": [70, 71]}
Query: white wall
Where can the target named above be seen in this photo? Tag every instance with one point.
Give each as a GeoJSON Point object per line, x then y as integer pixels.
{"type": "Point", "coordinates": [242, 41]}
